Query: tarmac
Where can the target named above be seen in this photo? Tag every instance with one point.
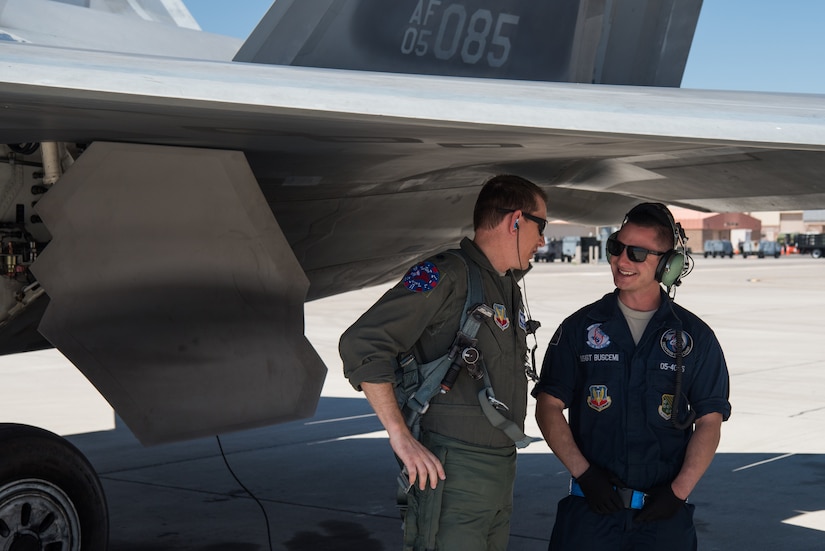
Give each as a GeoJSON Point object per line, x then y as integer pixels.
{"type": "Point", "coordinates": [328, 483]}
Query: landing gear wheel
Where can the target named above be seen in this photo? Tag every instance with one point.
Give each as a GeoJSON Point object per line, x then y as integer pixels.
{"type": "Point", "coordinates": [50, 497]}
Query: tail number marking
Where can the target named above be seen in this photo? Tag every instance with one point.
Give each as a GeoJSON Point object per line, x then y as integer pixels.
{"type": "Point", "coordinates": [456, 33]}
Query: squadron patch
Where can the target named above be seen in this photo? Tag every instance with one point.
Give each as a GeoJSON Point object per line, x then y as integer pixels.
{"type": "Point", "coordinates": [522, 320]}
{"type": "Point", "coordinates": [666, 408]}
{"type": "Point", "coordinates": [421, 278]}
{"type": "Point", "coordinates": [596, 338]}
{"type": "Point", "coordinates": [668, 342]}
{"type": "Point", "coordinates": [598, 398]}
{"type": "Point", "coordinates": [501, 318]}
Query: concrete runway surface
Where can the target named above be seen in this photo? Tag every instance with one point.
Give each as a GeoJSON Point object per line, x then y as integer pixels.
{"type": "Point", "coordinates": [328, 483]}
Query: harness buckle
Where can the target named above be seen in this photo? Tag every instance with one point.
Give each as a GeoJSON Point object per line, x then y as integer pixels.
{"type": "Point", "coordinates": [498, 404]}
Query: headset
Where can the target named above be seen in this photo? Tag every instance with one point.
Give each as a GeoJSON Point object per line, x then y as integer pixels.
{"type": "Point", "coordinates": [674, 264]}
{"type": "Point", "coordinates": [515, 226]}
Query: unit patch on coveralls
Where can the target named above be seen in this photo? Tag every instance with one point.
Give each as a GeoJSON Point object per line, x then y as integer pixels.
{"type": "Point", "coordinates": [596, 338]}
{"type": "Point", "coordinates": [501, 318]}
{"type": "Point", "coordinates": [598, 398]}
{"type": "Point", "coordinates": [422, 277]}
{"type": "Point", "coordinates": [666, 408]}
{"type": "Point", "coordinates": [668, 342]}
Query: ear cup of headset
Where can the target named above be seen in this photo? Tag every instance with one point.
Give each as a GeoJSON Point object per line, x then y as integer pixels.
{"type": "Point", "coordinates": [670, 267]}
{"type": "Point", "coordinates": [515, 226]}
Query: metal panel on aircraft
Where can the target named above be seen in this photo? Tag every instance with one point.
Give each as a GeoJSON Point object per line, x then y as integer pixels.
{"type": "Point", "coordinates": [174, 291]}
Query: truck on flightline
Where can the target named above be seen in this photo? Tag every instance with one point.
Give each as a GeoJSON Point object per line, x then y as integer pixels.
{"type": "Point", "coordinates": [813, 243]}
{"type": "Point", "coordinates": [763, 249]}
{"type": "Point", "coordinates": [564, 249]}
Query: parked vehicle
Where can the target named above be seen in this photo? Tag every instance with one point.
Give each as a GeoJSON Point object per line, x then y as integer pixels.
{"type": "Point", "coordinates": [813, 243]}
{"type": "Point", "coordinates": [718, 247]}
{"type": "Point", "coordinates": [569, 244]}
{"type": "Point", "coordinates": [588, 245]}
{"type": "Point", "coordinates": [563, 249]}
{"type": "Point", "coordinates": [769, 248]}
{"type": "Point", "coordinates": [762, 249]}
{"type": "Point", "coordinates": [551, 250]}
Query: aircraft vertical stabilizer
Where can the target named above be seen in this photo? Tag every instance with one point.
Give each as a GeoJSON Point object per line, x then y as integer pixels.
{"type": "Point", "coordinates": [641, 42]}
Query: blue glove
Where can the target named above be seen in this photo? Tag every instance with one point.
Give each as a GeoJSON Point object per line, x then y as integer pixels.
{"type": "Point", "coordinates": [660, 504]}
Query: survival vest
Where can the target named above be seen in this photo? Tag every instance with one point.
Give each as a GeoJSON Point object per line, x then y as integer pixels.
{"type": "Point", "coordinates": [417, 384]}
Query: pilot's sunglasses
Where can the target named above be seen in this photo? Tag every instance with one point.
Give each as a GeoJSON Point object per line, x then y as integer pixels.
{"type": "Point", "coordinates": [636, 254]}
{"type": "Point", "coordinates": [542, 222]}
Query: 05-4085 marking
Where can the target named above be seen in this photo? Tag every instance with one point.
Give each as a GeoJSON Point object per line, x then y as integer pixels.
{"type": "Point", "coordinates": [472, 37]}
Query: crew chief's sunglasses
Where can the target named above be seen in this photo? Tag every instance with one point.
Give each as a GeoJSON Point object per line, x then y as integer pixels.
{"type": "Point", "coordinates": [636, 254]}
{"type": "Point", "coordinates": [542, 222]}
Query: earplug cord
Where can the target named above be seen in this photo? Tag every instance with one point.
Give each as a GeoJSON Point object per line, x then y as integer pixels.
{"type": "Point", "coordinates": [532, 325]}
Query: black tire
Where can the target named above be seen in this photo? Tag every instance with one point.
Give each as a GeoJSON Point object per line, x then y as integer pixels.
{"type": "Point", "coordinates": [50, 496]}
{"type": "Point", "coordinates": [816, 253]}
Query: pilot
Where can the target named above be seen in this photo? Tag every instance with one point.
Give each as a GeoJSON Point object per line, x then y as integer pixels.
{"type": "Point", "coordinates": [462, 468]}
{"type": "Point", "coordinates": [646, 385]}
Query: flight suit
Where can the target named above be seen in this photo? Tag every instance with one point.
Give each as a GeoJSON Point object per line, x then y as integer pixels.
{"type": "Point", "coordinates": [620, 398]}
{"type": "Point", "coordinates": [422, 314]}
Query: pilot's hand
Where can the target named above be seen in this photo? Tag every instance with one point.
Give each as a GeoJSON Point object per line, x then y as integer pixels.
{"type": "Point", "coordinates": [422, 465]}
{"type": "Point", "coordinates": [598, 488]}
{"type": "Point", "coordinates": [660, 504]}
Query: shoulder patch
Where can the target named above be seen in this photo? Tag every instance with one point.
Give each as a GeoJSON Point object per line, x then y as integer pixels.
{"type": "Point", "coordinates": [554, 341]}
{"type": "Point", "coordinates": [422, 277]}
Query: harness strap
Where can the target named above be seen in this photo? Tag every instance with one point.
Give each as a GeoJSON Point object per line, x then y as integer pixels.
{"type": "Point", "coordinates": [486, 396]}
{"type": "Point", "coordinates": [437, 373]}
{"type": "Point", "coordinates": [489, 405]}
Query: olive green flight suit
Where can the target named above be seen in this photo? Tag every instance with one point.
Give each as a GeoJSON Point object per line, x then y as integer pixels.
{"type": "Point", "coordinates": [471, 509]}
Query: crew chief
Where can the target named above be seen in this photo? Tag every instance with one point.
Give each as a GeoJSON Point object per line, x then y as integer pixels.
{"type": "Point", "coordinates": [633, 458]}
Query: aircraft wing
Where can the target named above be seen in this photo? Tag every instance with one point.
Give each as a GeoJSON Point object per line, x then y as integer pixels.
{"type": "Point", "coordinates": [191, 206]}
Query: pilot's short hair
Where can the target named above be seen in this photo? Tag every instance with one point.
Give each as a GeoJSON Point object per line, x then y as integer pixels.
{"type": "Point", "coordinates": [502, 194]}
{"type": "Point", "coordinates": [656, 216]}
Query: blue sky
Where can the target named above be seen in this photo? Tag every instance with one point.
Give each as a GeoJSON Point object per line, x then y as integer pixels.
{"type": "Point", "coordinates": [763, 45]}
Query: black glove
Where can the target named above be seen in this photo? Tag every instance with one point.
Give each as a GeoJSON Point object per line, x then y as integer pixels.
{"type": "Point", "coordinates": [598, 488]}
{"type": "Point", "coordinates": [660, 504]}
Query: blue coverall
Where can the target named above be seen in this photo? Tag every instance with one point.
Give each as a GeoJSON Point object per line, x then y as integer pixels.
{"type": "Point", "coordinates": [620, 398]}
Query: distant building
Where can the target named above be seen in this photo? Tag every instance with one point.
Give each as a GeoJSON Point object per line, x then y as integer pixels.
{"type": "Point", "coordinates": [699, 227]}
{"type": "Point", "coordinates": [814, 221]}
